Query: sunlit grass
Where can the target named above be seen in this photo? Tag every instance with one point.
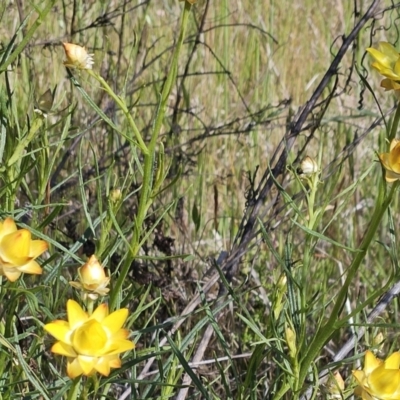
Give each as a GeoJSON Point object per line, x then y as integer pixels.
{"type": "Point", "coordinates": [77, 183]}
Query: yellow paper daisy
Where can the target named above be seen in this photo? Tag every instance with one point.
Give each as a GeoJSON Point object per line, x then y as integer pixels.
{"type": "Point", "coordinates": [90, 342]}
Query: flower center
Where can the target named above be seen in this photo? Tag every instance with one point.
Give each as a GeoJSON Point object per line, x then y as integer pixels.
{"type": "Point", "coordinates": [90, 338]}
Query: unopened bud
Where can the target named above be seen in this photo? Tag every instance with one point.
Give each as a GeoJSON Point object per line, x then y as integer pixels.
{"type": "Point", "coordinates": [290, 336]}
{"type": "Point", "coordinates": [115, 195]}
{"type": "Point", "coordinates": [308, 166]}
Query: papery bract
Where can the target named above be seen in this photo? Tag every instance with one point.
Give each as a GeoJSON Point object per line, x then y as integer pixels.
{"type": "Point", "coordinates": [92, 279]}
{"type": "Point", "coordinates": [77, 56]}
{"type": "Point", "coordinates": [379, 379]}
{"type": "Point", "coordinates": [391, 161]}
{"type": "Point", "coordinates": [18, 251]}
{"type": "Point", "coordinates": [387, 63]}
{"type": "Point", "coordinates": [90, 342]}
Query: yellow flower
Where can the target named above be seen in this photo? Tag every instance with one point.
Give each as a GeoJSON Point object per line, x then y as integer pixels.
{"type": "Point", "coordinates": [93, 279]}
{"type": "Point", "coordinates": [77, 57]}
{"type": "Point", "coordinates": [391, 161]}
{"type": "Point", "coordinates": [379, 379]}
{"type": "Point", "coordinates": [18, 251]}
{"type": "Point", "coordinates": [387, 63]}
{"type": "Point", "coordinates": [90, 342]}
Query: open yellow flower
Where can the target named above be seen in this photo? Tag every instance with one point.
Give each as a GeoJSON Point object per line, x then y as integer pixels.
{"type": "Point", "coordinates": [387, 63]}
{"type": "Point", "coordinates": [391, 161]}
{"type": "Point", "coordinates": [92, 279]}
{"type": "Point", "coordinates": [91, 342]}
{"type": "Point", "coordinates": [18, 251]}
{"type": "Point", "coordinates": [379, 379]}
{"type": "Point", "coordinates": [77, 57]}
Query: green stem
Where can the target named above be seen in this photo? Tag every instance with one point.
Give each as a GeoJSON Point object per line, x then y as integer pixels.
{"type": "Point", "coordinates": [326, 331]}
{"type": "Point", "coordinates": [395, 124]}
{"type": "Point", "coordinates": [121, 104]}
{"type": "Point", "coordinates": [74, 389]}
{"type": "Point", "coordinates": [145, 199]}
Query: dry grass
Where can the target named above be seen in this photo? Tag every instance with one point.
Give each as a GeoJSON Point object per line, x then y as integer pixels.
{"type": "Point", "coordinates": [241, 81]}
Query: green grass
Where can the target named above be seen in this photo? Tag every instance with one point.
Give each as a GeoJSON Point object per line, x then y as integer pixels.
{"type": "Point", "coordinates": [202, 330]}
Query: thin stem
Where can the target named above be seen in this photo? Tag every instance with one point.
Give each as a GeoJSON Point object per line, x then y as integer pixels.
{"type": "Point", "coordinates": [145, 199]}
{"type": "Point", "coordinates": [328, 329]}
{"type": "Point", "coordinates": [395, 124]}
{"type": "Point", "coordinates": [74, 389]}
{"type": "Point", "coordinates": [121, 104]}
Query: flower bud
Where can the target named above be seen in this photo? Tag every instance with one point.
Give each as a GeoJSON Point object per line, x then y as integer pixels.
{"type": "Point", "coordinates": [280, 290]}
{"type": "Point", "coordinates": [308, 166]}
{"type": "Point", "coordinates": [291, 342]}
{"type": "Point", "coordinates": [77, 57]}
{"type": "Point", "coordinates": [115, 195]}
{"type": "Point", "coordinates": [92, 279]}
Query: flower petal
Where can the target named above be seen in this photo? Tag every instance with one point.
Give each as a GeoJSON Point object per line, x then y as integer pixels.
{"type": "Point", "coordinates": [371, 362]}
{"type": "Point", "coordinates": [37, 248]}
{"type": "Point", "coordinates": [59, 329]}
{"type": "Point", "coordinates": [393, 361]}
{"type": "Point", "coordinates": [7, 226]}
{"type": "Point", "coordinates": [63, 349]}
{"type": "Point", "coordinates": [120, 346]}
{"type": "Point", "coordinates": [15, 247]}
{"type": "Point", "coordinates": [384, 382]}
{"type": "Point", "coordinates": [76, 316]}
{"type": "Point", "coordinates": [391, 176]}
{"type": "Point", "coordinates": [87, 364]}
{"type": "Point", "coordinates": [12, 274]}
{"type": "Point", "coordinates": [116, 320]}
{"type": "Point", "coordinates": [100, 312]}
{"type": "Point", "coordinates": [103, 365]}
{"type": "Point", "coordinates": [32, 267]}
{"type": "Point", "coordinates": [74, 369]}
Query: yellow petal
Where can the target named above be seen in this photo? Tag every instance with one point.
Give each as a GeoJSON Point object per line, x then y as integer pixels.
{"type": "Point", "coordinates": [15, 247]}
{"type": "Point", "coordinates": [391, 176]}
{"type": "Point", "coordinates": [394, 143]}
{"type": "Point", "coordinates": [87, 364]}
{"type": "Point", "coordinates": [74, 369]}
{"type": "Point", "coordinates": [385, 160]}
{"type": "Point", "coordinates": [393, 361]}
{"type": "Point", "coordinates": [63, 349]}
{"type": "Point", "coordinates": [394, 159]}
{"type": "Point", "coordinates": [7, 226]}
{"type": "Point", "coordinates": [12, 274]}
{"type": "Point", "coordinates": [359, 375]}
{"type": "Point", "coordinates": [389, 84]}
{"type": "Point", "coordinates": [37, 248]}
{"type": "Point", "coordinates": [32, 267]}
{"type": "Point", "coordinates": [120, 335]}
{"type": "Point", "coordinates": [384, 382]}
{"type": "Point", "coordinates": [90, 338]}
{"type": "Point", "coordinates": [76, 316]}
{"type": "Point", "coordinates": [371, 362]}
{"type": "Point", "coordinates": [100, 312]}
{"type": "Point", "coordinates": [103, 366]}
{"type": "Point", "coordinates": [59, 329]}
{"type": "Point", "coordinates": [114, 361]}
{"type": "Point", "coordinates": [120, 346]}
{"type": "Point", "coordinates": [380, 58]}
{"type": "Point", "coordinates": [116, 320]}
{"type": "Point", "coordinates": [389, 50]}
